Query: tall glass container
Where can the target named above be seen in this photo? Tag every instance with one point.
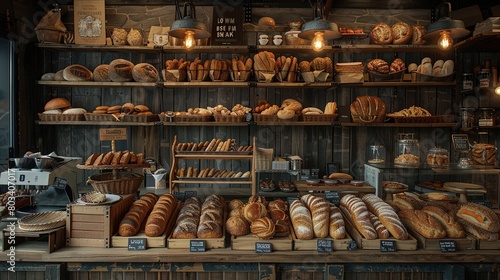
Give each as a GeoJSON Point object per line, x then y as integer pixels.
{"type": "Point", "coordinates": [407, 150]}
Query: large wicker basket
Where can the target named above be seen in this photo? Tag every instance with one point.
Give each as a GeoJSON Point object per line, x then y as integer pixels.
{"type": "Point", "coordinates": [124, 183]}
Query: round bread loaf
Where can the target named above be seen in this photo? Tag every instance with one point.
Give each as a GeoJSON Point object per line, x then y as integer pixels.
{"type": "Point", "coordinates": [254, 210]}
{"type": "Point", "coordinates": [397, 65]}
{"type": "Point", "coordinates": [237, 226]}
{"type": "Point", "coordinates": [145, 73]}
{"type": "Point", "coordinates": [120, 70]}
{"type": "Point", "coordinates": [101, 73]}
{"type": "Point", "coordinates": [119, 36]}
{"type": "Point", "coordinates": [402, 33]}
{"type": "Point", "coordinates": [134, 38]}
{"type": "Point", "coordinates": [378, 65]}
{"type": "Point", "coordinates": [57, 103]}
{"type": "Point", "coordinates": [77, 72]}
{"type": "Point", "coordinates": [418, 32]}
{"type": "Point", "coordinates": [48, 77]}
{"type": "Point", "coordinates": [59, 76]}
{"type": "Point", "coordinates": [263, 228]}
{"type": "Point", "coordinates": [381, 34]}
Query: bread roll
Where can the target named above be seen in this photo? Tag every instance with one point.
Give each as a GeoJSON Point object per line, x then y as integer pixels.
{"type": "Point", "coordinates": [337, 224]}
{"type": "Point", "coordinates": [145, 73]}
{"type": "Point", "coordinates": [301, 220]}
{"type": "Point", "coordinates": [119, 36]}
{"type": "Point", "coordinates": [381, 34]}
{"type": "Point", "coordinates": [422, 223]}
{"type": "Point", "coordinates": [387, 216]}
{"type": "Point", "coordinates": [134, 37]}
{"type": "Point", "coordinates": [320, 213]}
{"type": "Point", "coordinates": [57, 103]}
{"type": "Point", "coordinates": [330, 108]}
{"type": "Point", "coordinates": [479, 216]}
{"type": "Point", "coordinates": [74, 111]}
{"type": "Point", "coordinates": [237, 226]}
{"type": "Point", "coordinates": [101, 73]}
{"type": "Point", "coordinates": [397, 65]}
{"type": "Point", "coordinates": [402, 33]}
{"type": "Point", "coordinates": [418, 32]}
{"type": "Point", "coordinates": [453, 228]}
{"type": "Point", "coordinates": [120, 70]}
{"type": "Point", "coordinates": [285, 114]}
{"type": "Point", "coordinates": [76, 73]}
{"type": "Point", "coordinates": [360, 215]}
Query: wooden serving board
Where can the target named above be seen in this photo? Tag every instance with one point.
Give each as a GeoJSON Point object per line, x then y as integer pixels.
{"type": "Point", "coordinates": [467, 243]}
{"type": "Point", "coordinates": [409, 244]}
{"type": "Point", "coordinates": [247, 242]}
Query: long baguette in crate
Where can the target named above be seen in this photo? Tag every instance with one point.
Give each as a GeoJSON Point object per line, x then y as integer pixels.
{"type": "Point", "coordinates": [214, 145]}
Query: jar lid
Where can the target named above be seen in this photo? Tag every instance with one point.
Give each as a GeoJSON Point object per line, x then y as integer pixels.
{"type": "Point", "coordinates": [437, 150]}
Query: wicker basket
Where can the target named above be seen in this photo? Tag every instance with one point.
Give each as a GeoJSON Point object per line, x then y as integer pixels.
{"type": "Point", "coordinates": [418, 77]}
{"type": "Point", "coordinates": [61, 117]}
{"type": "Point", "coordinates": [318, 118]}
{"type": "Point", "coordinates": [125, 183]}
{"type": "Point", "coordinates": [49, 36]}
{"type": "Point", "coordinates": [140, 118]}
{"type": "Point", "coordinates": [273, 118]}
{"type": "Point", "coordinates": [366, 119]}
{"type": "Point", "coordinates": [427, 119]}
{"type": "Point", "coordinates": [391, 77]}
{"type": "Point", "coordinates": [100, 117]}
{"type": "Point", "coordinates": [193, 118]}
{"type": "Point", "coordinates": [229, 119]}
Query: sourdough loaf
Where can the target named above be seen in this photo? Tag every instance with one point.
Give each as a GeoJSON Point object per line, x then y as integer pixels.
{"type": "Point", "coordinates": [422, 223]}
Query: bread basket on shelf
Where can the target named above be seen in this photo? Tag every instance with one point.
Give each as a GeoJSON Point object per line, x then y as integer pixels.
{"type": "Point", "coordinates": [61, 117]}
{"type": "Point", "coordinates": [419, 77]}
{"type": "Point", "coordinates": [318, 118]}
{"type": "Point", "coordinates": [229, 118]}
{"type": "Point", "coordinates": [391, 77]}
{"type": "Point", "coordinates": [122, 183]}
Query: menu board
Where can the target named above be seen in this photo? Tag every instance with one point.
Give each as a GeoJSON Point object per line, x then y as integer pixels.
{"type": "Point", "coordinates": [227, 24]}
{"type": "Point", "coordinates": [460, 142]}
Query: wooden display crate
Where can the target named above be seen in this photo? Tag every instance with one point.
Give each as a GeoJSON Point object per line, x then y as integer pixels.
{"type": "Point", "coordinates": [467, 243]}
{"type": "Point", "coordinates": [409, 244]}
{"type": "Point", "coordinates": [151, 241]}
{"type": "Point", "coordinates": [488, 245]}
{"type": "Point", "coordinates": [247, 242]}
{"type": "Point", "coordinates": [312, 245]}
{"type": "Point", "coordinates": [93, 226]}
{"type": "Point", "coordinates": [45, 241]}
{"type": "Point", "coordinates": [210, 243]}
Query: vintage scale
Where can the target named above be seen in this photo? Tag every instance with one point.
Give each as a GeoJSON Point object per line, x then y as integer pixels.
{"type": "Point", "coordinates": [50, 186]}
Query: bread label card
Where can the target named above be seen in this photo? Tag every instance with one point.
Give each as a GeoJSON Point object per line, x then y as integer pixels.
{"type": "Point", "coordinates": [188, 194]}
{"type": "Point", "coordinates": [263, 247]}
{"type": "Point", "coordinates": [460, 142]}
{"type": "Point", "coordinates": [387, 246]}
{"type": "Point", "coordinates": [135, 244]}
{"type": "Point", "coordinates": [324, 245]}
{"type": "Point", "coordinates": [447, 246]}
{"type": "Point", "coordinates": [197, 245]}
{"type": "Point", "coordinates": [108, 134]}
{"type": "Point", "coordinates": [332, 197]}
{"type": "Point", "coordinates": [90, 22]}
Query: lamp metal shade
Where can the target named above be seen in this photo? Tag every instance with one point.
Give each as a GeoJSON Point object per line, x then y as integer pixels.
{"type": "Point", "coordinates": [455, 27]}
{"type": "Point", "coordinates": [180, 26]}
{"type": "Point", "coordinates": [330, 29]}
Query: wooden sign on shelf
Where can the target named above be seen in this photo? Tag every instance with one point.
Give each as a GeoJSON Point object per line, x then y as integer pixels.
{"type": "Point", "coordinates": [110, 134]}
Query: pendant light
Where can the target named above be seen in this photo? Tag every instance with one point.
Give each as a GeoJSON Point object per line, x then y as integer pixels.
{"type": "Point", "coordinates": [319, 29]}
{"type": "Point", "coordinates": [188, 28]}
{"type": "Point", "coordinates": [445, 30]}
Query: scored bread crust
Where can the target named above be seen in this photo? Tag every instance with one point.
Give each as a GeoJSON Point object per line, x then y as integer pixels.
{"type": "Point", "coordinates": [422, 223]}
{"type": "Point", "coordinates": [360, 215]}
{"type": "Point", "coordinates": [453, 228]}
{"type": "Point", "coordinates": [386, 215]}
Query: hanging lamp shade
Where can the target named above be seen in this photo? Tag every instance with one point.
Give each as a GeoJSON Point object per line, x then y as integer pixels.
{"type": "Point", "coordinates": [456, 28]}
{"type": "Point", "coordinates": [329, 29]}
{"type": "Point", "coordinates": [189, 23]}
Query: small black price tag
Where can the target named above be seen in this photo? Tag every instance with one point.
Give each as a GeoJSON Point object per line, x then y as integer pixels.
{"type": "Point", "coordinates": [263, 247]}
{"type": "Point", "coordinates": [447, 246]}
{"type": "Point", "coordinates": [180, 195]}
{"type": "Point", "coordinates": [387, 246]}
{"type": "Point", "coordinates": [136, 243]}
{"type": "Point", "coordinates": [332, 197]}
{"type": "Point", "coordinates": [460, 142]}
{"type": "Point", "coordinates": [188, 194]}
{"type": "Point", "coordinates": [197, 245]}
{"type": "Point", "coordinates": [248, 117]}
{"type": "Point", "coordinates": [324, 245]}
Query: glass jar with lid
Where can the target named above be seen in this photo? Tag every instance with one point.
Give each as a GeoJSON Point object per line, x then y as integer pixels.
{"type": "Point", "coordinates": [407, 150]}
{"type": "Point", "coordinates": [437, 157]}
{"type": "Point", "coordinates": [375, 154]}
{"type": "Point", "coordinates": [485, 117]}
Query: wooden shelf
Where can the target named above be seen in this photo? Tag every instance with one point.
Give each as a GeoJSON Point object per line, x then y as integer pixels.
{"type": "Point", "coordinates": [97, 84]}
{"type": "Point", "coordinates": [213, 156]}
{"type": "Point", "coordinates": [95, 123]}
{"type": "Point", "coordinates": [401, 84]}
{"type": "Point", "coordinates": [487, 42]}
{"type": "Point", "coordinates": [212, 182]}
{"type": "Point", "coordinates": [351, 124]}
{"type": "Point", "coordinates": [368, 48]}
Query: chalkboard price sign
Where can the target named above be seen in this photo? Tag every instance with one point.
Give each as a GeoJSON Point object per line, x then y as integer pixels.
{"type": "Point", "coordinates": [197, 245]}
{"type": "Point", "coordinates": [460, 142]}
{"type": "Point", "coordinates": [325, 245]}
{"type": "Point", "coordinates": [263, 247]}
{"type": "Point", "coordinates": [135, 244]}
{"type": "Point", "coordinates": [387, 246]}
{"type": "Point", "coordinates": [447, 246]}
{"type": "Point", "coordinates": [227, 24]}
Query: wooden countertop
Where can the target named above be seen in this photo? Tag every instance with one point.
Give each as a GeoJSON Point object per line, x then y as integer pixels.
{"type": "Point", "coordinates": [111, 255]}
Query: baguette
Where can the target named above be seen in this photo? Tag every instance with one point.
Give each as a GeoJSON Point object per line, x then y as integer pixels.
{"type": "Point", "coordinates": [301, 220]}
{"type": "Point", "coordinates": [162, 212]}
{"type": "Point", "coordinates": [382, 232]}
{"type": "Point", "coordinates": [320, 213]}
{"type": "Point", "coordinates": [132, 220]}
{"type": "Point", "coordinates": [337, 224]}
{"type": "Point", "coordinates": [360, 215]}
{"type": "Point", "coordinates": [386, 215]}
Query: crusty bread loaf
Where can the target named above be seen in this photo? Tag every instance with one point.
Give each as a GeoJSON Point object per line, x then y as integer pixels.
{"type": "Point", "coordinates": [378, 65]}
{"type": "Point", "coordinates": [145, 73]}
{"type": "Point", "coordinates": [91, 159]}
{"type": "Point", "coordinates": [382, 232]}
{"type": "Point", "coordinates": [381, 34]}
{"type": "Point", "coordinates": [162, 212]}
{"type": "Point", "coordinates": [360, 215]}
{"type": "Point", "coordinates": [132, 220]}
{"type": "Point", "coordinates": [254, 210]}
{"type": "Point", "coordinates": [263, 228]}
{"type": "Point", "coordinates": [320, 213]}
{"type": "Point", "coordinates": [403, 201]}
{"type": "Point", "coordinates": [386, 215]}
{"type": "Point", "coordinates": [236, 204]}
{"type": "Point", "coordinates": [101, 73]}
{"type": "Point", "coordinates": [77, 72]}
{"type": "Point", "coordinates": [301, 220]}
{"type": "Point", "coordinates": [211, 220]}
{"type": "Point", "coordinates": [188, 219]}
{"type": "Point", "coordinates": [120, 70]}
{"type": "Point", "coordinates": [57, 103]}
{"type": "Point", "coordinates": [477, 232]}
{"type": "Point", "coordinates": [453, 228]}
{"type": "Point", "coordinates": [479, 216]}
{"type": "Point", "coordinates": [366, 109]}
{"type": "Point", "coordinates": [237, 226]}
{"type": "Point", "coordinates": [418, 32]}
{"type": "Point", "coordinates": [422, 223]}
{"type": "Point", "coordinates": [402, 33]}
{"type": "Point", "coordinates": [337, 224]}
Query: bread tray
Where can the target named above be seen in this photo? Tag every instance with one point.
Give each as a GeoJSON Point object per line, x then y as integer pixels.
{"type": "Point", "coordinates": [273, 118]}
{"type": "Point", "coordinates": [140, 118]}
{"type": "Point", "coordinates": [61, 117]}
{"type": "Point", "coordinates": [391, 77]}
{"type": "Point", "coordinates": [214, 179]}
{"type": "Point", "coordinates": [418, 77]}
{"type": "Point", "coordinates": [193, 118]}
{"type": "Point", "coordinates": [110, 167]}
{"type": "Point", "coordinates": [228, 119]}
{"type": "Point", "coordinates": [319, 118]}
{"type": "Point", "coordinates": [43, 221]}
{"type": "Point", "coordinates": [212, 153]}
{"type": "Point", "coordinates": [425, 119]}
{"type": "Point", "coordinates": [100, 117]}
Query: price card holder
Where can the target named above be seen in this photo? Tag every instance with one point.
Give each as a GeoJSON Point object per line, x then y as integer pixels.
{"type": "Point", "coordinates": [197, 246]}
{"type": "Point", "coordinates": [332, 197]}
{"type": "Point", "coordinates": [263, 247]}
{"type": "Point", "coordinates": [324, 245]}
{"type": "Point", "coordinates": [110, 134]}
{"type": "Point", "coordinates": [387, 246]}
{"type": "Point", "coordinates": [460, 142]}
{"type": "Point", "coordinates": [447, 246]}
{"type": "Point", "coordinates": [136, 244]}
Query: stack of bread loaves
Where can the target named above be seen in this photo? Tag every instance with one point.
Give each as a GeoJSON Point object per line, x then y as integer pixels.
{"type": "Point", "coordinates": [440, 68]}
{"type": "Point", "coordinates": [133, 219]}
{"type": "Point", "coordinates": [61, 107]}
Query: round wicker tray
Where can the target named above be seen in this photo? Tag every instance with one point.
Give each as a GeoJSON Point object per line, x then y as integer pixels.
{"type": "Point", "coordinates": [43, 221]}
{"type": "Point", "coordinates": [124, 183]}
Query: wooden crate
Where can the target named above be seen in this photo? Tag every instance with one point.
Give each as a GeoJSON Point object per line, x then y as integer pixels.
{"type": "Point", "coordinates": [488, 245]}
{"type": "Point", "coordinates": [93, 226]}
{"type": "Point", "coordinates": [151, 242]}
{"type": "Point", "coordinates": [210, 243]}
{"type": "Point", "coordinates": [247, 242]}
{"type": "Point", "coordinates": [312, 245]}
{"type": "Point", "coordinates": [46, 241]}
{"type": "Point", "coordinates": [409, 244]}
{"type": "Point", "coordinates": [467, 243]}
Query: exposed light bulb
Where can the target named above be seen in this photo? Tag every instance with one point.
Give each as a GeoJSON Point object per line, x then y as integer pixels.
{"type": "Point", "coordinates": [189, 42]}
{"type": "Point", "coordinates": [445, 41]}
{"type": "Point", "coordinates": [497, 90]}
{"type": "Point", "coordinates": [318, 43]}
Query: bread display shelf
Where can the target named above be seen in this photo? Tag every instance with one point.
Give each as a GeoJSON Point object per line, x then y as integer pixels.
{"type": "Point", "coordinates": [212, 179]}
{"type": "Point", "coordinates": [111, 167]}
{"type": "Point", "coordinates": [96, 84]}
{"type": "Point", "coordinates": [467, 243]}
{"type": "Point", "coordinates": [99, 123]}
{"type": "Point", "coordinates": [247, 242]}
{"type": "Point", "coordinates": [349, 124]}
{"type": "Point", "coordinates": [426, 119]}
{"type": "Point", "coordinates": [231, 153]}
{"type": "Point", "coordinates": [312, 244]}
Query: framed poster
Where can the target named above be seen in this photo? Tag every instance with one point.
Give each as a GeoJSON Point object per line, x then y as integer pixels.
{"type": "Point", "coordinates": [227, 25]}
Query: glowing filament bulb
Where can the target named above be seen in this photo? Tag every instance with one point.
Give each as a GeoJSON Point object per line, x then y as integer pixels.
{"type": "Point", "coordinates": [445, 41]}
{"type": "Point", "coordinates": [318, 43]}
{"type": "Point", "coordinates": [189, 42]}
